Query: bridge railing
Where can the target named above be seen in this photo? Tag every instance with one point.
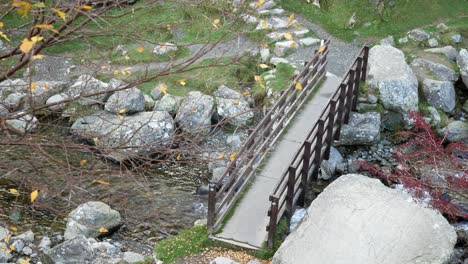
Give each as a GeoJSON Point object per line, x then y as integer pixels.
{"type": "Point", "coordinates": [305, 164]}
{"type": "Point", "coordinates": [223, 194]}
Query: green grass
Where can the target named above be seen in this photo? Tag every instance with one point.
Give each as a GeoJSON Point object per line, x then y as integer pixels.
{"type": "Point", "coordinates": [283, 77]}
{"type": "Point", "coordinates": [403, 16]}
{"type": "Point", "coordinates": [186, 243]}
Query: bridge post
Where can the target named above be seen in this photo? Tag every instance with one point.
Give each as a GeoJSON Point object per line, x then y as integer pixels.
{"type": "Point", "coordinates": [318, 149]}
{"type": "Point", "coordinates": [305, 170]}
{"type": "Point", "coordinates": [331, 124]}
{"type": "Point", "coordinates": [357, 82]}
{"type": "Point", "coordinates": [341, 108]}
{"type": "Point", "coordinates": [364, 65]}
{"type": "Point", "coordinates": [290, 192]}
{"type": "Point", "coordinates": [349, 96]}
{"type": "Point", "coordinates": [211, 208]}
{"type": "Point", "coordinates": [273, 219]}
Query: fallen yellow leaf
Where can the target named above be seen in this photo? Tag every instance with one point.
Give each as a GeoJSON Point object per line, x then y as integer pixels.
{"type": "Point", "coordinates": [178, 156]}
{"type": "Point", "coordinates": [182, 82]}
{"type": "Point", "coordinates": [298, 86]}
{"type": "Point", "coordinates": [293, 44]}
{"type": "Point", "coordinates": [103, 230]}
{"type": "Point", "coordinates": [86, 7]}
{"type": "Point", "coordinates": [13, 191]}
{"type": "Point", "coordinates": [34, 195]}
{"type": "Point", "coordinates": [232, 157]}
{"type": "Point", "coordinates": [13, 228]}
{"type": "Point", "coordinates": [291, 18]}
{"type": "Point", "coordinates": [3, 35]}
{"type": "Point", "coordinates": [264, 24]}
{"type": "Point", "coordinates": [122, 111]}
{"type": "Point", "coordinates": [25, 261]}
{"type": "Point", "coordinates": [83, 162]}
{"type": "Point", "coordinates": [61, 14]}
{"type": "Point", "coordinates": [33, 87]}
{"type": "Point", "coordinates": [245, 93]}
{"type": "Point", "coordinates": [163, 89]}
{"type": "Point", "coordinates": [7, 238]}
{"type": "Point", "coordinates": [221, 156]}
{"type": "Point", "coordinates": [102, 182]}
{"type": "Point", "coordinates": [288, 36]}
{"type": "Point", "coordinates": [140, 49]}
{"type": "Point", "coordinates": [264, 66]}
{"type": "Point", "coordinates": [1, 24]}
{"type": "Point", "coordinates": [215, 23]}
{"type": "Point", "coordinates": [12, 247]}
{"type": "Point", "coordinates": [37, 57]}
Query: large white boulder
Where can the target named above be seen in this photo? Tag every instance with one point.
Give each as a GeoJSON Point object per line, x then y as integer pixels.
{"type": "Point", "coordinates": [194, 114]}
{"type": "Point", "coordinates": [393, 78]}
{"type": "Point", "coordinates": [232, 106]}
{"type": "Point", "coordinates": [462, 62]}
{"type": "Point", "coordinates": [126, 101]}
{"type": "Point", "coordinates": [359, 220]}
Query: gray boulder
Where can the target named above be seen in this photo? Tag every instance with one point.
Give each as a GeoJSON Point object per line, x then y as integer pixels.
{"type": "Point", "coordinates": [132, 257]}
{"type": "Point", "coordinates": [433, 42]}
{"type": "Point", "coordinates": [3, 233]}
{"type": "Point", "coordinates": [5, 253]}
{"type": "Point", "coordinates": [25, 124]}
{"type": "Point", "coordinates": [149, 102]}
{"type": "Point", "coordinates": [54, 100]}
{"type": "Point", "coordinates": [169, 103]}
{"type": "Point", "coordinates": [388, 41]}
{"type": "Point", "coordinates": [307, 42]}
{"type": "Point", "coordinates": [418, 35]}
{"type": "Point", "coordinates": [328, 167]}
{"type": "Point", "coordinates": [440, 94]}
{"type": "Point", "coordinates": [11, 86]}
{"type": "Point", "coordinates": [218, 173]}
{"type": "Point", "coordinates": [86, 85]}
{"type": "Point", "coordinates": [424, 68]}
{"type": "Point", "coordinates": [126, 101]}
{"type": "Point", "coordinates": [393, 78]}
{"type": "Point", "coordinates": [223, 260]}
{"type": "Point", "coordinates": [194, 114]}
{"type": "Point", "coordinates": [75, 251]}
{"type": "Point", "coordinates": [233, 107]}
{"type": "Point", "coordinates": [448, 51]}
{"type": "Point", "coordinates": [457, 38]}
{"type": "Point", "coordinates": [124, 137]}
{"type": "Point", "coordinates": [88, 218]}
{"type": "Point", "coordinates": [4, 111]}
{"type": "Point", "coordinates": [284, 47]}
{"type": "Point", "coordinates": [457, 131]}
{"type": "Point", "coordinates": [362, 129]}
{"type": "Point", "coordinates": [51, 69]}
{"type": "Point", "coordinates": [27, 237]}
{"type": "Point", "coordinates": [13, 100]}
{"type": "Point", "coordinates": [357, 219]}
{"type": "Point", "coordinates": [157, 93]}
{"type": "Point", "coordinates": [46, 89]}
{"type": "Point", "coordinates": [462, 62]}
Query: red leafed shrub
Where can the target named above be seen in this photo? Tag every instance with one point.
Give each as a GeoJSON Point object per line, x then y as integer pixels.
{"type": "Point", "coordinates": [429, 167]}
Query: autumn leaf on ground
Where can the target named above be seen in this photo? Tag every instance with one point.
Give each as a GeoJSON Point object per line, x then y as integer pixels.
{"type": "Point", "coordinates": [7, 238]}
{"type": "Point", "coordinates": [103, 230]}
{"type": "Point", "coordinates": [163, 89]}
{"type": "Point", "coordinates": [61, 14]}
{"type": "Point", "coordinates": [232, 157]}
{"type": "Point", "coordinates": [298, 86]}
{"type": "Point", "coordinates": [25, 261]}
{"type": "Point", "coordinates": [182, 82]}
{"type": "Point", "coordinates": [33, 87]}
{"type": "Point", "coordinates": [288, 36]}
{"type": "Point", "coordinates": [102, 182]}
{"type": "Point", "coordinates": [140, 49]}
{"type": "Point", "coordinates": [178, 156]}
{"type": "Point", "coordinates": [246, 93]}
{"type": "Point", "coordinates": [13, 228]}
{"type": "Point", "coordinates": [3, 35]}
{"type": "Point", "coordinates": [1, 24]}
{"type": "Point", "coordinates": [83, 162]}
{"type": "Point", "coordinates": [14, 192]}
{"type": "Point", "coordinates": [23, 7]}
{"type": "Point", "coordinates": [291, 18]}
{"type": "Point", "coordinates": [86, 7]}
{"type": "Point", "coordinates": [215, 23]}
{"type": "Point", "coordinates": [34, 195]}
{"type": "Point", "coordinates": [221, 157]}
{"type": "Point", "coordinates": [264, 24]}
{"type": "Point", "coordinates": [37, 57]}
{"type": "Point", "coordinates": [12, 247]}
{"type": "Point", "coordinates": [264, 66]}
{"type": "Point", "coordinates": [126, 71]}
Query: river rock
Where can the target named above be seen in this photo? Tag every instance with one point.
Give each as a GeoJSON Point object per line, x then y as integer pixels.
{"type": "Point", "coordinates": [265, 54]}
{"type": "Point", "coordinates": [462, 62]}
{"type": "Point", "coordinates": [56, 98]}
{"type": "Point", "coordinates": [432, 42]}
{"type": "Point", "coordinates": [440, 94]}
{"type": "Point", "coordinates": [5, 253]}
{"type": "Point", "coordinates": [125, 137]}
{"type": "Point", "coordinates": [4, 112]}
{"type": "Point", "coordinates": [157, 93]}
{"type": "Point", "coordinates": [132, 257]}
{"type": "Point", "coordinates": [234, 141]}
{"type": "Point", "coordinates": [362, 221]}
{"type": "Point", "coordinates": [164, 48]}
{"type": "Point", "coordinates": [10, 86]}
{"type": "Point", "coordinates": [25, 124]}
{"type": "Point", "coordinates": [88, 218]}
{"type": "Point", "coordinates": [73, 251]}
{"type": "Point", "coordinates": [328, 167]}
{"type": "Point", "coordinates": [448, 51]}
{"type": "Point", "coordinates": [44, 245]}
{"type": "Point", "coordinates": [126, 101]}
{"type": "Point", "coordinates": [223, 260]}
{"type": "Point", "coordinates": [457, 131]}
{"type": "Point", "coordinates": [388, 41]}
{"type": "Point", "coordinates": [418, 35]}
{"type": "Point", "coordinates": [44, 90]}
{"type": "Point", "coordinates": [27, 237]}
{"type": "Point", "coordinates": [362, 129]}
{"type": "Point", "coordinates": [149, 102]}
{"type": "Point", "coordinates": [86, 84]}
{"type": "Point", "coordinates": [218, 173]}
{"type": "Point", "coordinates": [13, 100]}
{"type": "Point", "coordinates": [3, 233]}
{"type": "Point", "coordinates": [307, 42]}
{"type": "Point", "coordinates": [194, 114]}
{"type": "Point", "coordinates": [429, 68]}
{"type": "Point", "coordinates": [233, 107]}
{"type": "Point", "coordinates": [393, 78]}
{"type": "Point", "coordinates": [169, 103]}
{"type": "Point", "coordinates": [457, 38]}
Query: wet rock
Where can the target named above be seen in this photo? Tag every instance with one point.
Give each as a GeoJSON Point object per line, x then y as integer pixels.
{"type": "Point", "coordinates": [393, 78]}
{"type": "Point", "coordinates": [418, 35]}
{"type": "Point", "coordinates": [194, 114]}
{"type": "Point", "coordinates": [462, 62]}
{"type": "Point", "coordinates": [164, 48]}
{"type": "Point", "coordinates": [132, 257]}
{"type": "Point", "coordinates": [362, 129]}
{"type": "Point", "coordinates": [223, 260]}
{"type": "Point", "coordinates": [429, 68]}
{"type": "Point", "coordinates": [439, 94]}
{"type": "Point", "coordinates": [448, 51]}
{"type": "Point", "coordinates": [25, 124]}
{"type": "Point", "coordinates": [88, 218]}
{"type": "Point", "coordinates": [232, 107]}
{"type": "Point", "coordinates": [169, 103]}
{"type": "Point", "coordinates": [345, 206]}
{"type": "Point", "coordinates": [126, 137]}
{"type": "Point", "coordinates": [328, 167]}
{"type": "Point", "coordinates": [433, 42]}
{"type": "Point", "coordinates": [126, 101]}
{"type": "Point", "coordinates": [74, 251]}
{"type": "Point", "coordinates": [457, 131]}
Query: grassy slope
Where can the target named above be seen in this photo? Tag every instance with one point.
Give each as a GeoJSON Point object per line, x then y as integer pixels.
{"type": "Point", "coordinates": [404, 16]}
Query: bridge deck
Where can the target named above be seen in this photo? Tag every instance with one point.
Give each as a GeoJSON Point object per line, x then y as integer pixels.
{"type": "Point", "coordinates": [247, 226]}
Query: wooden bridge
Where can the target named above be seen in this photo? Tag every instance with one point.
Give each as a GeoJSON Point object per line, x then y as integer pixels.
{"type": "Point", "coordinates": [272, 171]}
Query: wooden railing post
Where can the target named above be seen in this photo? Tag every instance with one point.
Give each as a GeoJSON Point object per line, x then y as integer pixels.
{"type": "Point", "coordinates": [357, 82]}
{"type": "Point", "coordinates": [349, 96]}
{"type": "Point", "coordinates": [305, 170]}
{"type": "Point", "coordinates": [211, 207]}
{"type": "Point", "coordinates": [364, 64]}
{"type": "Point", "coordinates": [290, 191]}
{"type": "Point", "coordinates": [341, 109]}
{"type": "Point", "coordinates": [273, 219]}
{"type": "Point", "coordinates": [331, 124]}
{"type": "Point", "coordinates": [318, 148]}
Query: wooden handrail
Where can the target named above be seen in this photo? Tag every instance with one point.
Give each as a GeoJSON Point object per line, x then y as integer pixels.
{"type": "Point", "coordinates": [240, 170]}
{"type": "Point", "coordinates": [316, 147]}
